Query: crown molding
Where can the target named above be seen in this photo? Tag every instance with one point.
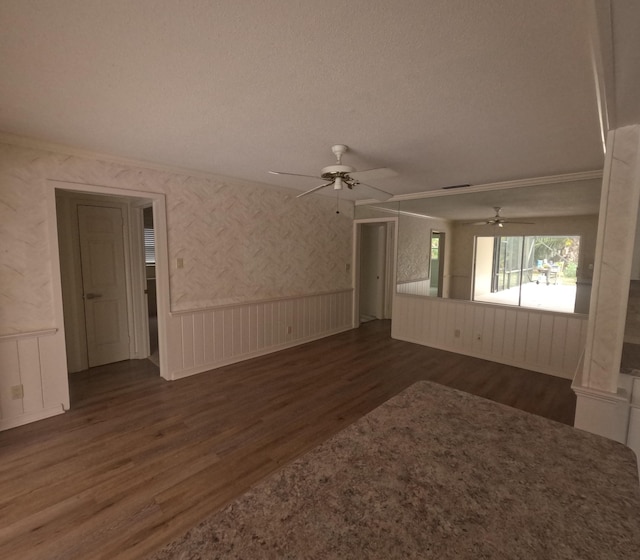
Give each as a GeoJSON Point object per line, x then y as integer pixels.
{"type": "Point", "coordinates": [600, 27]}
{"type": "Point", "coordinates": [516, 184]}
{"type": "Point", "coordinates": [32, 143]}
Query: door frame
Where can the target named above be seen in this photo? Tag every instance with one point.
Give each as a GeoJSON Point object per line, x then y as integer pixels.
{"type": "Point", "coordinates": [390, 275]}
{"type": "Point", "coordinates": [134, 200]}
{"type": "Point", "coordinates": [442, 252]}
{"type": "Point", "coordinates": [139, 275]}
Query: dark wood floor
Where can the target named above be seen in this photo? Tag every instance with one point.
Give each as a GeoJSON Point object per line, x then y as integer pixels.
{"type": "Point", "coordinates": [139, 460]}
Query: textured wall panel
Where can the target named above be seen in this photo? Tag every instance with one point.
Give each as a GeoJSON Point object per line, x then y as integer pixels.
{"type": "Point", "coordinates": [217, 336]}
{"type": "Point", "coordinates": [537, 340]}
{"type": "Point", "coordinates": [240, 242]}
{"type": "Point", "coordinates": [35, 363]}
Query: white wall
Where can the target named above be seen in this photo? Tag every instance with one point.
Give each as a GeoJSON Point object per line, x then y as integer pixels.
{"type": "Point", "coordinates": [483, 266]}
{"type": "Point", "coordinates": [240, 243]}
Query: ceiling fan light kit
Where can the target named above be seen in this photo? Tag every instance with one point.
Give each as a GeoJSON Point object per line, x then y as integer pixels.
{"type": "Point", "coordinates": [340, 176]}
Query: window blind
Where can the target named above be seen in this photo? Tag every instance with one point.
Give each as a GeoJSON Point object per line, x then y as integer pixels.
{"type": "Point", "coordinates": [149, 246]}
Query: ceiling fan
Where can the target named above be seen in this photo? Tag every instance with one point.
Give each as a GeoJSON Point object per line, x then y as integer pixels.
{"type": "Point", "coordinates": [340, 176]}
{"type": "Point", "coordinates": [497, 220]}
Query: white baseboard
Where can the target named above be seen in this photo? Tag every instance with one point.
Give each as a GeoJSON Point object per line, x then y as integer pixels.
{"type": "Point", "coordinates": [614, 416]}
{"type": "Point", "coordinates": [27, 418]}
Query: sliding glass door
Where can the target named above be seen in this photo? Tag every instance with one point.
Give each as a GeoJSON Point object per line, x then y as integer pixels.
{"type": "Point", "coordinates": [527, 271]}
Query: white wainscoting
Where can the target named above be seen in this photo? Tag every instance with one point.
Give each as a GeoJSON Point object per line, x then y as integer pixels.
{"type": "Point", "coordinates": [537, 340]}
{"type": "Point", "coordinates": [417, 288]}
{"type": "Point", "coordinates": [35, 363]}
{"type": "Point", "coordinates": [633, 432]}
{"type": "Point", "coordinates": [201, 340]}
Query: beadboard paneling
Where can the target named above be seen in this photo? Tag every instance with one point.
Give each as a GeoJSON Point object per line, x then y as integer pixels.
{"type": "Point", "coordinates": [35, 361]}
{"type": "Point", "coordinates": [417, 288]}
{"type": "Point", "coordinates": [205, 339]}
{"type": "Point", "coordinates": [536, 340]}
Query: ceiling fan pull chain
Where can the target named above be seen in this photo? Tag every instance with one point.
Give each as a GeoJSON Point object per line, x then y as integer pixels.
{"type": "Point", "coordinates": [338, 203]}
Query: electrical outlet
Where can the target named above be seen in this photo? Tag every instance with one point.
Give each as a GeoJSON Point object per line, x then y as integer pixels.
{"type": "Point", "coordinates": [478, 337]}
{"type": "Point", "coordinates": [347, 267]}
{"type": "Point", "coordinates": [289, 329]}
{"type": "Point", "coordinates": [17, 392]}
{"type": "Point", "coordinates": [180, 262]}
{"type": "Point", "coordinates": [456, 333]}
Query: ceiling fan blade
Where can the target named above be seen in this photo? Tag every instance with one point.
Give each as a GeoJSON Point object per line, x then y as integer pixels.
{"type": "Point", "coordinates": [376, 193]}
{"type": "Point", "coordinates": [485, 223]}
{"type": "Point", "coordinates": [293, 174]}
{"type": "Point", "coordinates": [515, 222]}
{"type": "Point", "coordinates": [373, 174]}
{"type": "Point", "coordinates": [314, 189]}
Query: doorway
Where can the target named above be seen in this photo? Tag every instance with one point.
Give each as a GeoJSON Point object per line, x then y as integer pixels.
{"type": "Point", "coordinates": [105, 301]}
{"type": "Point", "coordinates": [436, 263]}
{"type": "Point", "coordinates": [150, 281]}
{"type": "Point", "coordinates": [374, 275]}
{"type": "Point", "coordinates": [372, 271]}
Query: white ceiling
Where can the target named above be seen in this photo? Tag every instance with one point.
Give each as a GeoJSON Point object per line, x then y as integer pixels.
{"type": "Point", "coordinates": [625, 20]}
{"type": "Point", "coordinates": [444, 91]}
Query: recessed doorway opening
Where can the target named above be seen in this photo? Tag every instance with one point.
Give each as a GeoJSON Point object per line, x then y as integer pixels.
{"type": "Point", "coordinates": [113, 278]}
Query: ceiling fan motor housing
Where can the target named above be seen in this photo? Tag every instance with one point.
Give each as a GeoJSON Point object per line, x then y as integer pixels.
{"type": "Point", "coordinates": [333, 171]}
{"type": "Point", "coordinates": [338, 173]}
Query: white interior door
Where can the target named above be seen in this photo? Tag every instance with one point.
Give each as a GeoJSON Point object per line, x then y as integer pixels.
{"type": "Point", "coordinates": [104, 283]}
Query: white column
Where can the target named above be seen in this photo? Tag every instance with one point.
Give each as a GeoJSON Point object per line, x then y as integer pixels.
{"type": "Point", "coordinates": [603, 396]}
{"type": "Point", "coordinates": [614, 255]}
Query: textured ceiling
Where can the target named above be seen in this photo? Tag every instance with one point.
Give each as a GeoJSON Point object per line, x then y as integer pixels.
{"type": "Point", "coordinates": [625, 15]}
{"type": "Point", "coordinates": [444, 92]}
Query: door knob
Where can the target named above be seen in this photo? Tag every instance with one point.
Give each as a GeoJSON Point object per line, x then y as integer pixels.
{"type": "Point", "coordinates": [92, 296]}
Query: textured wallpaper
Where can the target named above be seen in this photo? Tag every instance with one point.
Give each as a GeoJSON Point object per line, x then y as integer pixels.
{"type": "Point", "coordinates": [414, 235]}
{"type": "Point", "coordinates": [414, 238]}
{"type": "Point", "coordinates": [240, 242]}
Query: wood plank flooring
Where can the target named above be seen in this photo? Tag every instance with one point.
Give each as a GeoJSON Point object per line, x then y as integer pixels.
{"type": "Point", "coordinates": [139, 460]}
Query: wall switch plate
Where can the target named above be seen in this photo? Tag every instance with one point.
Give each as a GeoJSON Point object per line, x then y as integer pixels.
{"type": "Point", "coordinates": [17, 392]}
{"type": "Point", "coordinates": [456, 333]}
